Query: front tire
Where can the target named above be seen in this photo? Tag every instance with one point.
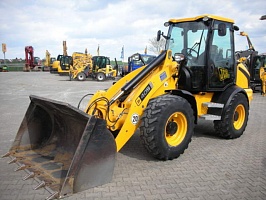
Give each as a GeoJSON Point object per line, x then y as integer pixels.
{"type": "Point", "coordinates": [100, 76]}
{"type": "Point", "coordinates": [234, 119]}
{"type": "Point", "coordinates": [167, 126]}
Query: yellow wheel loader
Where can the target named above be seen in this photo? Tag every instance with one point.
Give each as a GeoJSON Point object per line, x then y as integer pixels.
{"type": "Point", "coordinates": [99, 69]}
{"type": "Point", "coordinates": [102, 69]}
{"type": "Point", "coordinates": [67, 150]}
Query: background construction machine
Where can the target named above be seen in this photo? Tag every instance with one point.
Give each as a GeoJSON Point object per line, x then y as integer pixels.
{"type": "Point", "coordinates": [98, 68]}
{"type": "Point", "coordinates": [102, 68]}
{"type": "Point", "coordinates": [31, 62]}
{"type": "Point", "coordinates": [262, 63]}
{"type": "Point", "coordinates": [248, 56]}
{"type": "Point", "coordinates": [62, 63]}
{"type": "Point", "coordinates": [48, 61]}
{"type": "Point", "coordinates": [82, 64]}
{"type": "Point", "coordinates": [255, 63]}
{"type": "Point", "coordinates": [257, 71]}
{"type": "Point", "coordinates": [136, 61]}
{"type": "Point", "coordinates": [67, 150]}
{"type": "Point", "coordinates": [259, 65]}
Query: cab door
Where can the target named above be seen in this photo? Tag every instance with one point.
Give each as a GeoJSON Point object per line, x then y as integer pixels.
{"type": "Point", "coordinates": [220, 56]}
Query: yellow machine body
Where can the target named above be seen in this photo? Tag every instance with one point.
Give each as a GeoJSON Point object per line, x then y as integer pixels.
{"type": "Point", "coordinates": [96, 67]}
{"type": "Point", "coordinates": [67, 150]}
{"type": "Point", "coordinates": [81, 62]}
{"type": "Point", "coordinates": [125, 117]}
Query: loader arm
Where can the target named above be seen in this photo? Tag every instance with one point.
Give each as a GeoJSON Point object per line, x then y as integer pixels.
{"type": "Point", "coordinates": [122, 105]}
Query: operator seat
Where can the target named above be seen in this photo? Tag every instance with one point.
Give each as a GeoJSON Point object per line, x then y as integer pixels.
{"type": "Point", "coordinates": [214, 52]}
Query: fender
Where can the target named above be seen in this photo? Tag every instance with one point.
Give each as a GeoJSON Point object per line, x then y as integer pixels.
{"type": "Point", "coordinates": [226, 96]}
{"type": "Point", "coordinates": [189, 97]}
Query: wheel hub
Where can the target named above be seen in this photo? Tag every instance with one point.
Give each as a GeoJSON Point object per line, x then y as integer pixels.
{"type": "Point", "coordinates": [171, 128]}
{"type": "Point", "coordinates": [236, 116]}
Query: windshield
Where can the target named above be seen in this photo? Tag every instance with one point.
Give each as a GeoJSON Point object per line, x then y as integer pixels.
{"type": "Point", "coordinates": [187, 38]}
{"type": "Point", "coordinates": [148, 58]}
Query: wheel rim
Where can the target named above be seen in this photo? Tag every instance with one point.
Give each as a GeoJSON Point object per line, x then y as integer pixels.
{"type": "Point", "coordinates": [100, 77]}
{"type": "Point", "coordinates": [239, 117]}
{"type": "Point", "coordinates": [80, 77]}
{"type": "Point", "coordinates": [176, 129]}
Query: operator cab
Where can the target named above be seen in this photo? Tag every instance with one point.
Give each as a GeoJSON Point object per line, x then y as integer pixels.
{"type": "Point", "coordinates": [100, 62]}
{"type": "Point", "coordinates": [65, 62]}
{"type": "Point", "coordinates": [206, 43]}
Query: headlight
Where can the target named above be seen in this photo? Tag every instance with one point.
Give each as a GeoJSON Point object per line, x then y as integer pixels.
{"type": "Point", "coordinates": [179, 57]}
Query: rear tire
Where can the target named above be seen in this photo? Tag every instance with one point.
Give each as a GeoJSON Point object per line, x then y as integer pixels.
{"type": "Point", "coordinates": [81, 76]}
{"type": "Point", "coordinates": [234, 119]}
{"type": "Point", "coordinates": [167, 126]}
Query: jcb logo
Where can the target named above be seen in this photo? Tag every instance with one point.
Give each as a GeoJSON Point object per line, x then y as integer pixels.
{"type": "Point", "coordinates": [138, 101]}
{"type": "Point", "coordinates": [223, 74]}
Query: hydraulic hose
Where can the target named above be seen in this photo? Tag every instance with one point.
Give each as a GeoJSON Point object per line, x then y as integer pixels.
{"type": "Point", "coordinates": [135, 81]}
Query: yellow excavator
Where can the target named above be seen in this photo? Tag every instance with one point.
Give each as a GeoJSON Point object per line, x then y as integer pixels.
{"type": "Point", "coordinates": [62, 63]}
{"type": "Point", "coordinates": [67, 150]}
{"type": "Point", "coordinates": [48, 61]}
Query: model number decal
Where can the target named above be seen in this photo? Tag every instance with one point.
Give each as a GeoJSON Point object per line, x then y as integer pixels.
{"type": "Point", "coordinates": [144, 93]}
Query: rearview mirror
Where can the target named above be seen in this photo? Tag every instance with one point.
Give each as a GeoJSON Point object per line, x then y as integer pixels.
{"type": "Point", "coordinates": [236, 28]}
{"type": "Point", "coordinates": [136, 57]}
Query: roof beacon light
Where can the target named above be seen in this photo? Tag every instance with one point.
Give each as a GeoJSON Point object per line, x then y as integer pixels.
{"type": "Point", "coordinates": [206, 18]}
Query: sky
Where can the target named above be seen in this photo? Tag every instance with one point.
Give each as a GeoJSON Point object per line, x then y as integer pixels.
{"type": "Point", "coordinates": [113, 24]}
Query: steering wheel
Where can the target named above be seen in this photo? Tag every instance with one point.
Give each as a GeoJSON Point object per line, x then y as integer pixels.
{"type": "Point", "coordinates": [188, 54]}
{"type": "Point", "coordinates": [189, 51]}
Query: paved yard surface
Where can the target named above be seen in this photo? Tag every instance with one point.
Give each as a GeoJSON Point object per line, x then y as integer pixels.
{"type": "Point", "coordinates": [211, 168]}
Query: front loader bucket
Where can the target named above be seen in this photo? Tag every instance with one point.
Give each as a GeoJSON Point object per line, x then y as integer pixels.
{"type": "Point", "coordinates": [62, 148]}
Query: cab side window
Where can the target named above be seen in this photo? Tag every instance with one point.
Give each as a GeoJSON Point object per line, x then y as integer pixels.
{"type": "Point", "coordinates": [221, 60]}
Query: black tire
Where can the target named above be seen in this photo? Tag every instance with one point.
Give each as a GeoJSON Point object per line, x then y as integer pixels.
{"type": "Point", "coordinates": [81, 76]}
{"type": "Point", "coordinates": [234, 119]}
{"type": "Point", "coordinates": [167, 126]}
{"type": "Point", "coordinates": [52, 71]}
{"type": "Point", "coordinates": [100, 76]}
{"type": "Point", "coordinates": [70, 76]}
